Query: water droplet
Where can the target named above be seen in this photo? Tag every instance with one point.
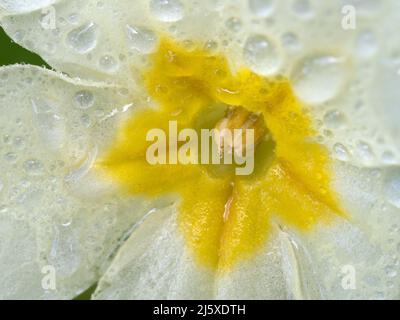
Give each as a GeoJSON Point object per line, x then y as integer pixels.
{"type": "Point", "coordinates": [19, 35]}
{"type": "Point", "coordinates": [79, 173]}
{"type": "Point", "coordinates": [73, 18]}
{"type": "Point", "coordinates": [84, 38]}
{"type": "Point", "coordinates": [390, 271]}
{"type": "Point", "coordinates": [365, 153]}
{"type": "Point", "coordinates": [64, 254]}
{"type": "Point", "coordinates": [319, 79]}
{"type": "Point", "coordinates": [328, 133]}
{"type": "Point", "coordinates": [19, 142]}
{"type": "Point", "coordinates": [388, 157]}
{"type": "Point", "coordinates": [334, 119]}
{"type": "Point", "coordinates": [366, 45]}
{"type": "Point", "coordinates": [141, 39]}
{"type": "Point", "coordinates": [85, 120]}
{"type": "Point", "coordinates": [84, 99]}
{"type": "Point", "coordinates": [33, 167]}
{"type": "Point", "coordinates": [66, 222]}
{"type": "Point", "coordinates": [261, 55]}
{"type": "Point", "coordinates": [50, 124]}
{"type": "Point", "coordinates": [10, 157]}
{"type": "Point", "coordinates": [167, 10]}
{"type": "Point", "coordinates": [341, 152]}
{"type": "Point", "coordinates": [303, 9]}
{"type": "Point", "coordinates": [261, 8]}
{"type": "Point", "coordinates": [123, 91]}
{"type": "Point", "coordinates": [392, 187]}
{"type": "Point", "coordinates": [291, 41]}
{"type": "Point", "coordinates": [211, 45]}
{"type": "Point", "coordinates": [108, 63]}
{"type": "Point", "coordinates": [7, 139]}
{"type": "Point", "coordinates": [234, 24]}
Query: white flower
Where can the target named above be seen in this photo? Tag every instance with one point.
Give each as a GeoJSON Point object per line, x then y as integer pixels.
{"type": "Point", "coordinates": [56, 210]}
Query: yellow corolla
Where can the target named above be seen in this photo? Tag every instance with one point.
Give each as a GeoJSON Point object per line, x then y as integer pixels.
{"type": "Point", "coordinates": [292, 182]}
{"type": "Point", "coordinates": [82, 206]}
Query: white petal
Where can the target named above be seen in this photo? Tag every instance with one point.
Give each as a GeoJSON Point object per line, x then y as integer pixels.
{"type": "Point", "coordinates": [331, 255]}
{"type": "Point", "coordinates": [261, 277]}
{"type": "Point", "coordinates": [21, 6]}
{"type": "Point", "coordinates": [366, 244]}
{"type": "Point", "coordinates": [49, 126]}
{"type": "Point", "coordinates": [154, 264]}
{"type": "Point", "coordinates": [99, 40]}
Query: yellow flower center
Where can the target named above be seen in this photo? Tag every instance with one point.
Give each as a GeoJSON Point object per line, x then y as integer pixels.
{"type": "Point", "coordinates": [224, 217]}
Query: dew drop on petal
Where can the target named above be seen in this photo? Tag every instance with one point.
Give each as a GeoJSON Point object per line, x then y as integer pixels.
{"type": "Point", "coordinates": [318, 79]}
{"type": "Point", "coordinates": [11, 157]}
{"type": "Point", "coordinates": [85, 120]}
{"type": "Point", "coordinates": [167, 10]}
{"type": "Point", "coordinates": [108, 63]}
{"type": "Point", "coordinates": [334, 119]}
{"type": "Point", "coordinates": [366, 45]}
{"type": "Point", "coordinates": [211, 46]}
{"type": "Point", "coordinates": [340, 151]}
{"type": "Point", "coordinates": [64, 254]}
{"type": "Point", "coordinates": [388, 157]}
{"type": "Point", "coordinates": [73, 18]}
{"type": "Point", "coordinates": [33, 167]}
{"type": "Point", "coordinates": [303, 9]}
{"type": "Point", "coordinates": [84, 38]}
{"type": "Point", "coordinates": [50, 124]}
{"type": "Point", "coordinates": [392, 187]}
{"type": "Point", "coordinates": [261, 55]}
{"type": "Point", "coordinates": [290, 41]}
{"type": "Point", "coordinates": [262, 8]}
{"type": "Point", "coordinates": [84, 99]}
{"type": "Point", "coordinates": [234, 24]}
{"type": "Point", "coordinates": [391, 271]}
{"type": "Point", "coordinates": [141, 39]}
{"type": "Point", "coordinates": [364, 152]}
{"type": "Point", "coordinates": [19, 35]}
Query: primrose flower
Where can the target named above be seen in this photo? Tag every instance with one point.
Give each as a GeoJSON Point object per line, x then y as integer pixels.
{"type": "Point", "coordinates": [82, 205]}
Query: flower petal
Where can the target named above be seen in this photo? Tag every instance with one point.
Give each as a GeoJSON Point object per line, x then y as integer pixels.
{"type": "Point", "coordinates": [365, 246]}
{"type": "Point", "coordinates": [154, 264]}
{"type": "Point", "coordinates": [21, 6]}
{"type": "Point", "coordinates": [91, 39]}
{"type": "Point", "coordinates": [55, 212]}
{"type": "Point", "coordinates": [261, 277]}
